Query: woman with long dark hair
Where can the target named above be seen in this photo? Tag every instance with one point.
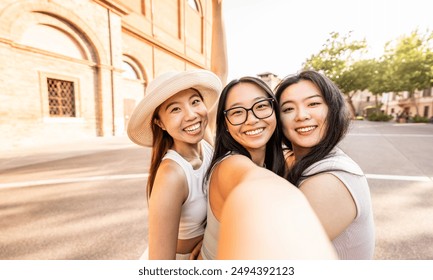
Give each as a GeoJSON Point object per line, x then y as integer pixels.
{"type": "Point", "coordinates": [314, 119]}
{"type": "Point", "coordinates": [248, 141]}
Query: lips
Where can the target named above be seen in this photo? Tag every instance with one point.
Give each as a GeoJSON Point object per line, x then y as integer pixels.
{"type": "Point", "coordinates": [254, 132]}
{"type": "Point", "coordinates": [305, 129]}
{"type": "Point", "coordinates": [192, 128]}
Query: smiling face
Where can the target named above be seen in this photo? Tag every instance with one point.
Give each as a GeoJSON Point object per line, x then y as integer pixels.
{"type": "Point", "coordinates": [254, 133]}
{"type": "Point", "coordinates": [184, 116]}
{"type": "Point", "coordinates": [303, 115]}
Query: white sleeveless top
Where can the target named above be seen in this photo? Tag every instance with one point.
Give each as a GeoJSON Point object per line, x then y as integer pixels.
{"type": "Point", "coordinates": [193, 214]}
{"type": "Point", "coordinates": [357, 241]}
{"type": "Point", "coordinates": [211, 234]}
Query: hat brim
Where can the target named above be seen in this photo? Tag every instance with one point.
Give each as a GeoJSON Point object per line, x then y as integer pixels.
{"type": "Point", "coordinates": [163, 87]}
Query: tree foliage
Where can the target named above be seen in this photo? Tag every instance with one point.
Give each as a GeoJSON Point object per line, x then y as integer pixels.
{"type": "Point", "coordinates": [406, 65]}
{"type": "Point", "coordinates": [337, 60]}
{"type": "Point", "coordinates": [410, 60]}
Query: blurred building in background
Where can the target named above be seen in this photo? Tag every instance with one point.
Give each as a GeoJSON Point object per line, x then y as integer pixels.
{"type": "Point", "coordinates": [77, 68]}
{"type": "Point", "coordinates": [270, 79]}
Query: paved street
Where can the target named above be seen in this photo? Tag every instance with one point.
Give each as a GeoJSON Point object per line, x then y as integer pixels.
{"type": "Point", "coordinates": [86, 199]}
{"type": "Point", "coordinates": [402, 201]}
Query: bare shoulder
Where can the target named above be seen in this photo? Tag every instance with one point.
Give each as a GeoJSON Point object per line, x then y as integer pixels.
{"type": "Point", "coordinates": [170, 167]}
{"type": "Point", "coordinates": [235, 162]}
{"type": "Point", "coordinates": [332, 202]}
{"type": "Point", "coordinates": [230, 172]}
{"type": "Point", "coordinates": [234, 168]}
{"type": "Point", "coordinates": [170, 180]}
{"type": "Point", "coordinates": [324, 185]}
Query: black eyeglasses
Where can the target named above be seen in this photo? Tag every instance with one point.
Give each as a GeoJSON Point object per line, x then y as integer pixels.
{"type": "Point", "coordinates": [262, 109]}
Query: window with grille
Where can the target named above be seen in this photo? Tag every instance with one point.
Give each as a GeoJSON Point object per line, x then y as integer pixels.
{"type": "Point", "coordinates": [61, 98]}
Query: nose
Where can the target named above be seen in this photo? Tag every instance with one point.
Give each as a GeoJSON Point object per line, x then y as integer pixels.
{"type": "Point", "coordinates": [303, 114]}
{"type": "Point", "coordinates": [190, 113]}
{"type": "Point", "coordinates": [251, 118]}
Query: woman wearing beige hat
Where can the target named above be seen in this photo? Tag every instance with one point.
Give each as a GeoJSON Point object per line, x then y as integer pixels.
{"type": "Point", "coordinates": [172, 119]}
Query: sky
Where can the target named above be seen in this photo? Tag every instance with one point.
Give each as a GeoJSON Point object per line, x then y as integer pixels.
{"type": "Point", "coordinates": [279, 35]}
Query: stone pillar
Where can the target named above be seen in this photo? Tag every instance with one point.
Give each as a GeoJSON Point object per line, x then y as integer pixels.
{"type": "Point", "coordinates": [218, 55]}
{"type": "Point", "coordinates": [219, 48]}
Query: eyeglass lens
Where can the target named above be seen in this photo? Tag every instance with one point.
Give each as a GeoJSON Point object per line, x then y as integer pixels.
{"type": "Point", "coordinates": [261, 110]}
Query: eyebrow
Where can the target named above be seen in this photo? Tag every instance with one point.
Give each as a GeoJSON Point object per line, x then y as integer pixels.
{"type": "Point", "coordinates": [176, 102]}
{"type": "Point", "coordinates": [238, 104]}
{"type": "Point", "coordinates": [306, 98]}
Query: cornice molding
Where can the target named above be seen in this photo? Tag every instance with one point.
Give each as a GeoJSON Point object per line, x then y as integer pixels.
{"type": "Point", "coordinates": [114, 6]}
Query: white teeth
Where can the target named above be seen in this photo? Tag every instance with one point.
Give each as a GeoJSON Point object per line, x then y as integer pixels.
{"type": "Point", "coordinates": [192, 128]}
{"type": "Point", "coordinates": [254, 132]}
{"type": "Point", "coordinates": [305, 129]}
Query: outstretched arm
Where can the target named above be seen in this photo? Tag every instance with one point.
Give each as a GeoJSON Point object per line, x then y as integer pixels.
{"type": "Point", "coordinates": [332, 202]}
{"type": "Point", "coordinates": [268, 218]}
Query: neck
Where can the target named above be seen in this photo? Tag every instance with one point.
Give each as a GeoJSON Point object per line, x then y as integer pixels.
{"type": "Point", "coordinates": [299, 153]}
{"type": "Point", "coordinates": [190, 152]}
{"type": "Point", "coordinates": [258, 158]}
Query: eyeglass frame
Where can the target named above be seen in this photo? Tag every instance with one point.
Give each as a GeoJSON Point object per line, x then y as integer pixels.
{"type": "Point", "coordinates": [271, 101]}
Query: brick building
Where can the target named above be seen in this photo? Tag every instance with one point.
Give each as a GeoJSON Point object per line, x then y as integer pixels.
{"type": "Point", "coordinates": [77, 68]}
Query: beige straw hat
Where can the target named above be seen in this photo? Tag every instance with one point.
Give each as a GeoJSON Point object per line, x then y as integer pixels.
{"type": "Point", "coordinates": [164, 87]}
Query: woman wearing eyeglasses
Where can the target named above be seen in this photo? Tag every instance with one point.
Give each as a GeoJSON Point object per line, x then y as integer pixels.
{"type": "Point", "coordinates": [247, 135]}
{"type": "Point", "coordinates": [247, 152]}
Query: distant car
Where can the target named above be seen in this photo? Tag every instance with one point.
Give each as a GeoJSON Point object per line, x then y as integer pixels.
{"type": "Point", "coordinates": [360, 118]}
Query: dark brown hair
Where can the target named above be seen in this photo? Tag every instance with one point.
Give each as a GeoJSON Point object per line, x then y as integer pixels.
{"type": "Point", "coordinates": [337, 120]}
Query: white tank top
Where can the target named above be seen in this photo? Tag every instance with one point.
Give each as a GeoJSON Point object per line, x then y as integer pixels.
{"type": "Point", "coordinates": [357, 241]}
{"type": "Point", "coordinates": [193, 214]}
{"type": "Point", "coordinates": [211, 235]}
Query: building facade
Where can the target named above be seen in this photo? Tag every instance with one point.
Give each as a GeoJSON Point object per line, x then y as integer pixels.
{"type": "Point", "coordinates": [402, 104]}
{"type": "Point", "coordinates": [270, 79]}
{"type": "Point", "coordinates": [77, 68]}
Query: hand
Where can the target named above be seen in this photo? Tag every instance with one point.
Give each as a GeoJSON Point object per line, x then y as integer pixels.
{"type": "Point", "coordinates": [196, 251]}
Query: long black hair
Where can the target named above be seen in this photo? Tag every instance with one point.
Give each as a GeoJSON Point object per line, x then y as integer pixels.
{"type": "Point", "coordinates": [224, 143]}
{"type": "Point", "coordinates": [337, 120]}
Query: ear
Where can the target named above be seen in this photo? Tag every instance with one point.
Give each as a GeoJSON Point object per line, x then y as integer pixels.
{"type": "Point", "coordinates": [159, 123]}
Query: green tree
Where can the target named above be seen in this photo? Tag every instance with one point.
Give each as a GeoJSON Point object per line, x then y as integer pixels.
{"type": "Point", "coordinates": [356, 78]}
{"type": "Point", "coordinates": [411, 63]}
{"type": "Point", "coordinates": [337, 61]}
{"type": "Point", "coordinates": [380, 78]}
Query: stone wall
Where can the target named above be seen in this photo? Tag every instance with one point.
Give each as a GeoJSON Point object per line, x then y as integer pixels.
{"type": "Point", "coordinates": [88, 43]}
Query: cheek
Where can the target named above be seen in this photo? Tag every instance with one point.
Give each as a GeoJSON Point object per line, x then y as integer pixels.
{"type": "Point", "coordinates": [323, 115]}
{"type": "Point", "coordinates": [203, 111]}
{"type": "Point", "coordinates": [323, 130]}
{"type": "Point", "coordinates": [273, 122]}
{"type": "Point", "coordinates": [324, 124]}
{"type": "Point", "coordinates": [171, 122]}
{"type": "Point", "coordinates": [286, 132]}
{"type": "Point", "coordinates": [231, 129]}
{"type": "Point", "coordinates": [285, 121]}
